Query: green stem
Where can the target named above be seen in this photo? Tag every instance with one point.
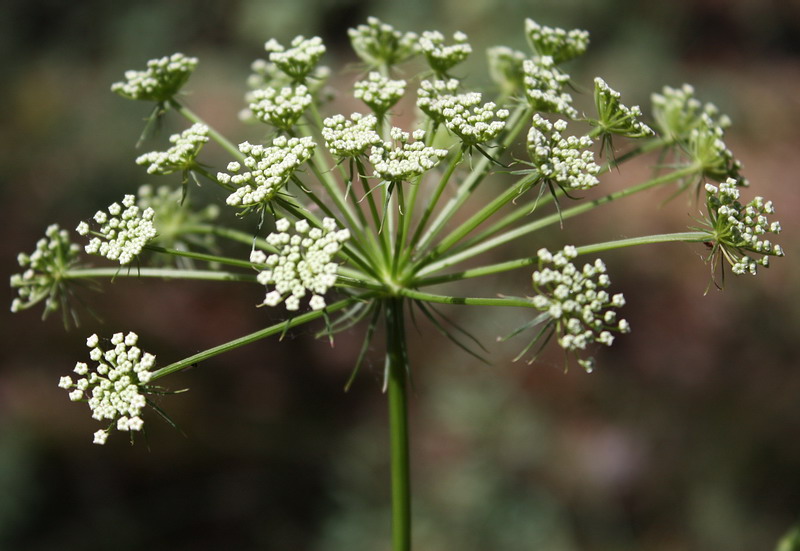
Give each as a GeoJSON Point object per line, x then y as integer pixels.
{"type": "Point", "coordinates": [553, 219]}
{"type": "Point", "coordinates": [213, 134]}
{"type": "Point", "coordinates": [201, 256]}
{"type": "Point", "coordinates": [469, 301]}
{"type": "Point", "coordinates": [253, 337]}
{"type": "Point", "coordinates": [163, 273]}
{"type": "Point", "coordinates": [397, 390]}
{"type": "Point", "coordinates": [685, 237]}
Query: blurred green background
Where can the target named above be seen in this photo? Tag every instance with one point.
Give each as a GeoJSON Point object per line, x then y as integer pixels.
{"type": "Point", "coordinates": [687, 436]}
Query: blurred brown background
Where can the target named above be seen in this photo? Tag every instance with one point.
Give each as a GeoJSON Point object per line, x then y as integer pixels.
{"type": "Point", "coordinates": [687, 437]}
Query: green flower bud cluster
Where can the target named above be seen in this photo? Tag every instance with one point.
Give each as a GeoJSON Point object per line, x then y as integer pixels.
{"type": "Point", "coordinates": [304, 262]}
{"type": "Point", "coordinates": [580, 310]}
{"type": "Point", "coordinates": [300, 59]}
{"type": "Point", "coordinates": [440, 56]}
{"type": "Point", "coordinates": [567, 162]}
{"type": "Point", "coordinates": [162, 79]}
{"type": "Point", "coordinates": [42, 278]}
{"type": "Point", "coordinates": [405, 161]}
{"type": "Point", "coordinates": [269, 168]}
{"type": "Point", "coordinates": [114, 389]}
{"type": "Point", "coordinates": [350, 138]}
{"type": "Point", "coordinates": [186, 146]}
{"type": "Point", "coordinates": [280, 108]}
{"type": "Point", "coordinates": [738, 229]}
{"type": "Point", "coordinates": [616, 118]}
{"type": "Point", "coordinates": [380, 44]}
{"type": "Point", "coordinates": [554, 42]}
{"type": "Point", "coordinates": [706, 148]}
{"type": "Point", "coordinates": [505, 68]}
{"type": "Point", "coordinates": [677, 112]}
{"type": "Point", "coordinates": [544, 87]}
{"type": "Point", "coordinates": [124, 231]}
{"type": "Point", "coordinates": [379, 93]}
{"type": "Point", "coordinates": [174, 220]}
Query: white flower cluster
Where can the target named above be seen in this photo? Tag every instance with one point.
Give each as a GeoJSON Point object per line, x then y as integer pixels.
{"type": "Point", "coordinates": [505, 68]}
{"type": "Point", "coordinates": [186, 146]}
{"type": "Point", "coordinates": [442, 57]}
{"type": "Point", "coordinates": [304, 262]}
{"type": "Point", "coordinates": [544, 85]}
{"type": "Point", "coordinates": [557, 43]}
{"type": "Point", "coordinates": [707, 149]}
{"type": "Point", "coordinates": [407, 161]}
{"type": "Point", "coordinates": [567, 162]}
{"type": "Point", "coordinates": [113, 388]}
{"type": "Point", "coordinates": [737, 228]}
{"type": "Point", "coordinates": [378, 92]}
{"type": "Point", "coordinates": [267, 75]}
{"type": "Point", "coordinates": [280, 108]}
{"type": "Point", "coordinates": [268, 169]}
{"type": "Point", "coordinates": [124, 231]}
{"type": "Point", "coordinates": [41, 278]}
{"type": "Point", "coordinates": [462, 114]}
{"type": "Point", "coordinates": [160, 81]}
{"type": "Point", "coordinates": [677, 112]}
{"type": "Point", "coordinates": [300, 59]}
{"type": "Point", "coordinates": [616, 118]}
{"type": "Point", "coordinates": [350, 138]}
{"type": "Point", "coordinates": [378, 43]}
{"type": "Point", "coordinates": [576, 300]}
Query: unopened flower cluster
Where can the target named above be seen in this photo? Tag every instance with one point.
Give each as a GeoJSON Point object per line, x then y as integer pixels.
{"type": "Point", "coordinates": [462, 114]}
{"type": "Point", "coordinates": [567, 162]}
{"type": "Point", "coordinates": [43, 269]}
{"type": "Point", "coordinates": [557, 43]}
{"type": "Point", "coordinates": [269, 168]}
{"type": "Point", "coordinates": [280, 108]}
{"type": "Point", "coordinates": [378, 92]}
{"type": "Point", "coordinates": [186, 146]}
{"type": "Point", "coordinates": [113, 388]}
{"type": "Point", "coordinates": [544, 87]}
{"type": "Point", "coordinates": [505, 68]}
{"type": "Point", "coordinates": [302, 264]}
{"type": "Point", "coordinates": [738, 228]}
{"type": "Point", "coordinates": [300, 59]}
{"type": "Point", "coordinates": [124, 231]}
{"type": "Point", "coordinates": [576, 300]}
{"type": "Point", "coordinates": [677, 112]}
{"type": "Point", "coordinates": [616, 118]}
{"type": "Point", "coordinates": [442, 57]}
{"type": "Point", "coordinates": [407, 161]}
{"type": "Point", "coordinates": [160, 81]}
{"type": "Point", "coordinates": [350, 138]}
{"type": "Point", "coordinates": [708, 150]}
{"type": "Point", "coordinates": [378, 43]}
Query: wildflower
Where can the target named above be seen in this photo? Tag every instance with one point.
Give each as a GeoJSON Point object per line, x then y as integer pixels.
{"type": "Point", "coordinates": [350, 138]}
{"type": "Point", "coordinates": [44, 270]}
{"type": "Point", "coordinates": [124, 231]}
{"type": "Point", "coordinates": [379, 44]}
{"type": "Point", "coordinates": [567, 162]}
{"type": "Point", "coordinates": [556, 43]}
{"type": "Point", "coordinates": [462, 114]}
{"type": "Point", "coordinates": [544, 85]}
{"type": "Point", "coordinates": [616, 118]}
{"type": "Point", "coordinates": [115, 388]}
{"type": "Point", "coordinates": [677, 112]}
{"type": "Point", "coordinates": [300, 59]}
{"type": "Point", "coordinates": [708, 151]}
{"type": "Point", "coordinates": [280, 108]}
{"type": "Point", "coordinates": [574, 303]}
{"type": "Point", "coordinates": [379, 93]}
{"type": "Point", "coordinates": [162, 79]}
{"type": "Point", "coordinates": [180, 156]}
{"type": "Point", "coordinates": [303, 264]}
{"type": "Point", "coordinates": [269, 168]}
{"type": "Point", "coordinates": [505, 68]}
{"type": "Point", "coordinates": [736, 229]}
{"type": "Point", "coordinates": [441, 57]}
{"type": "Point", "coordinates": [407, 160]}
